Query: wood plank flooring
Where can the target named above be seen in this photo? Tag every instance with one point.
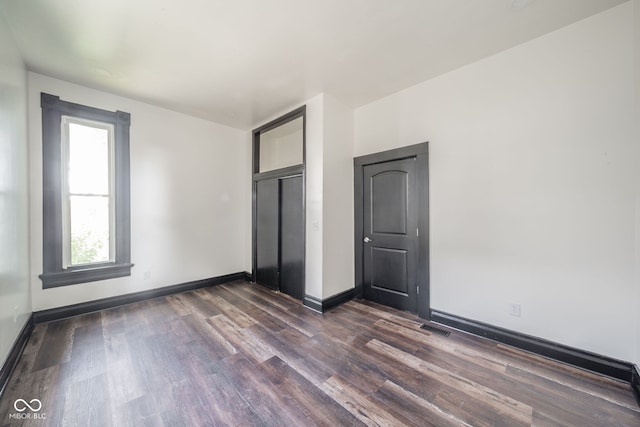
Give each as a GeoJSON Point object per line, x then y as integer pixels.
{"type": "Point", "coordinates": [239, 354]}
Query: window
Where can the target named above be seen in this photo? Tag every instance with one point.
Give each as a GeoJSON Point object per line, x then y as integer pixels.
{"type": "Point", "coordinates": [281, 147]}
{"type": "Point", "coordinates": [86, 225]}
{"type": "Point", "coordinates": [280, 144]}
{"type": "Point", "coordinates": [88, 202]}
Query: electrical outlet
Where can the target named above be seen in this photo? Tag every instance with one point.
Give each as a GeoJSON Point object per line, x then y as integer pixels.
{"type": "Point", "coordinates": [147, 275]}
{"type": "Point", "coordinates": [515, 310]}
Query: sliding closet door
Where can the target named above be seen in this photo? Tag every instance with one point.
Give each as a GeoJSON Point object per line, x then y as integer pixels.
{"type": "Point", "coordinates": [278, 203]}
{"type": "Point", "coordinates": [267, 219]}
{"type": "Point", "coordinates": [291, 237]}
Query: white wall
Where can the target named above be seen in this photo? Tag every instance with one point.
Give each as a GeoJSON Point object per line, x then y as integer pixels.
{"type": "Point", "coordinates": [189, 181]}
{"type": "Point", "coordinates": [337, 198]}
{"type": "Point", "coordinates": [15, 297]}
{"type": "Point", "coordinates": [532, 183]}
{"type": "Point", "coordinates": [314, 196]}
{"type": "Point", "coordinates": [636, 5]}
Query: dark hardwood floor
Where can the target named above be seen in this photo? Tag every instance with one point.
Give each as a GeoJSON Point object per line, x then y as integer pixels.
{"type": "Point", "coordinates": [239, 354]}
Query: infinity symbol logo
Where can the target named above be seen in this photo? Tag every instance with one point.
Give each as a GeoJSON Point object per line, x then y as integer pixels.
{"type": "Point", "coordinates": [35, 408]}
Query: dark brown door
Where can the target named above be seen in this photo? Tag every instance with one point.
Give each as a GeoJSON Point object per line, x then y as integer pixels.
{"type": "Point", "coordinates": [280, 235]}
{"type": "Point", "coordinates": [267, 232]}
{"type": "Point", "coordinates": [291, 237]}
{"type": "Point", "coordinates": [390, 223]}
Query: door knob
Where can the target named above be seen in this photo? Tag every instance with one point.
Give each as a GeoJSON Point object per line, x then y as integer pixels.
{"type": "Point", "coordinates": [367, 240]}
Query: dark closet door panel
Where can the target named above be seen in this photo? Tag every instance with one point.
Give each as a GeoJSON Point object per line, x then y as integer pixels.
{"type": "Point", "coordinates": [267, 202]}
{"type": "Point", "coordinates": [292, 237]}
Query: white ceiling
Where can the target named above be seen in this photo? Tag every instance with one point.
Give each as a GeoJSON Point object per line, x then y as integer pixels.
{"type": "Point", "coordinates": [238, 62]}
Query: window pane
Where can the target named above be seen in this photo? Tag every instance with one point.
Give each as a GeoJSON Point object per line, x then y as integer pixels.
{"type": "Point", "coordinates": [89, 229]}
{"type": "Point", "coordinates": [282, 146]}
{"type": "Point", "coordinates": [88, 159]}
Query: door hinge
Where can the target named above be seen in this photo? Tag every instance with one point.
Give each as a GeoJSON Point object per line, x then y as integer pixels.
{"type": "Point", "coordinates": [418, 290]}
{"type": "Point", "coordinates": [417, 232]}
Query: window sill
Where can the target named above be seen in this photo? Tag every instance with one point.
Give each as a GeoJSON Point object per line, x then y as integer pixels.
{"type": "Point", "coordinates": [84, 275]}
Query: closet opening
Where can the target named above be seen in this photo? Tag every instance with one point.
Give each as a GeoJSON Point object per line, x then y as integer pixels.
{"type": "Point", "coordinates": [279, 204]}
